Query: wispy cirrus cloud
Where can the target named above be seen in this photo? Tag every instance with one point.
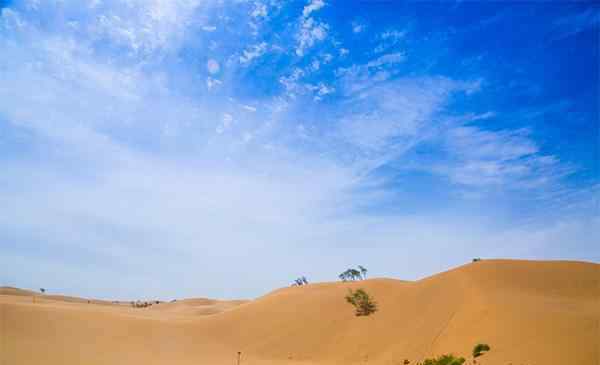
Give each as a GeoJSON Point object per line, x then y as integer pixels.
{"type": "Point", "coordinates": [577, 22]}
{"type": "Point", "coordinates": [499, 158]}
{"type": "Point", "coordinates": [387, 59]}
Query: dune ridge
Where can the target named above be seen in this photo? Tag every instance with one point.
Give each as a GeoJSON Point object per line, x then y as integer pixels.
{"type": "Point", "coordinates": [530, 312]}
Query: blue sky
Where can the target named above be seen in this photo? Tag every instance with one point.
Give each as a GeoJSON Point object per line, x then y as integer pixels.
{"type": "Point", "coordinates": [172, 148]}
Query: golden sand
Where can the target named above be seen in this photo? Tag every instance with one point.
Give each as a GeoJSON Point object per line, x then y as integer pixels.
{"type": "Point", "coordinates": [530, 312]}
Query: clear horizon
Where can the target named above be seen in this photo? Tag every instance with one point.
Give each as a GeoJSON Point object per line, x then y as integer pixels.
{"type": "Point", "coordinates": [171, 149]}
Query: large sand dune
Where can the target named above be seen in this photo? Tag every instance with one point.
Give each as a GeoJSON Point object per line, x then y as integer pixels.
{"type": "Point", "coordinates": [535, 313]}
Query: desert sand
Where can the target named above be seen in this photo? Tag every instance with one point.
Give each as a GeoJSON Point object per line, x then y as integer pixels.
{"type": "Point", "coordinates": [530, 312]}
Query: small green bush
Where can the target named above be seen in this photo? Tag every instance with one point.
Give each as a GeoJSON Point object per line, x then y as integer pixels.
{"type": "Point", "coordinates": [445, 360]}
{"type": "Point", "coordinates": [480, 349]}
{"type": "Point", "coordinates": [362, 302]}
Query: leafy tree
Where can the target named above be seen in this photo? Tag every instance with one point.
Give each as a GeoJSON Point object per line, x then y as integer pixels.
{"type": "Point", "coordinates": [363, 271]}
{"type": "Point", "coordinates": [362, 302]}
{"type": "Point", "coordinates": [353, 274]}
{"type": "Point", "coordinates": [304, 281]}
{"type": "Point", "coordinates": [346, 275]}
{"type": "Point", "coordinates": [42, 290]}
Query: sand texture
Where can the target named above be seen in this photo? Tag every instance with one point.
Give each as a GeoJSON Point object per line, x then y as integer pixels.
{"type": "Point", "coordinates": [530, 312]}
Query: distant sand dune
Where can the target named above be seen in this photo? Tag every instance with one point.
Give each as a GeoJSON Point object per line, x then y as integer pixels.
{"type": "Point", "coordinates": [535, 313]}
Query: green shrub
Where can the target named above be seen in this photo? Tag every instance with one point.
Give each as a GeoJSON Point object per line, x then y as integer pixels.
{"type": "Point", "coordinates": [445, 360]}
{"type": "Point", "coordinates": [362, 302]}
{"type": "Point", "coordinates": [480, 349]}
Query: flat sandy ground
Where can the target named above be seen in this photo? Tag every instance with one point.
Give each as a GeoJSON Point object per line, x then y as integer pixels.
{"type": "Point", "coordinates": [531, 313]}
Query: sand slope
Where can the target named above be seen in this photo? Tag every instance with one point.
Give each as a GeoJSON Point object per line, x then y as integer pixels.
{"type": "Point", "coordinates": [529, 312]}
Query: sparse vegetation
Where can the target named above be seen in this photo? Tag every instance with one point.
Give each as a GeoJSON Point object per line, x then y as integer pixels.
{"type": "Point", "coordinates": [477, 259]}
{"type": "Point", "coordinates": [300, 281]}
{"type": "Point", "coordinates": [353, 274]}
{"type": "Point", "coordinates": [142, 304]}
{"type": "Point", "coordinates": [449, 359]}
{"type": "Point", "coordinates": [479, 350]}
{"type": "Point", "coordinates": [42, 290]}
{"type": "Point", "coordinates": [362, 302]}
{"type": "Point", "coordinates": [445, 360]}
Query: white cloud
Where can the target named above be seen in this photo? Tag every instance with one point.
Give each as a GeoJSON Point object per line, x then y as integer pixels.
{"type": "Point", "coordinates": [227, 121]}
{"type": "Point", "coordinates": [389, 39]}
{"type": "Point", "coordinates": [129, 170]}
{"type": "Point", "coordinates": [11, 20]}
{"type": "Point", "coordinates": [253, 52]}
{"type": "Point", "coordinates": [95, 3]}
{"type": "Point", "coordinates": [212, 66]}
{"type": "Point", "coordinates": [321, 90]}
{"type": "Point", "coordinates": [290, 82]}
{"type": "Point", "coordinates": [391, 118]}
{"type": "Point", "coordinates": [571, 24]}
{"type": "Point", "coordinates": [310, 32]}
{"type": "Point", "coordinates": [507, 158]}
{"type": "Point", "coordinates": [358, 27]}
{"type": "Point", "coordinates": [312, 6]}
{"type": "Point", "coordinates": [211, 83]}
{"type": "Point", "coordinates": [145, 26]}
{"type": "Point", "coordinates": [259, 11]}
{"type": "Point", "coordinates": [501, 145]}
{"type": "Point", "coordinates": [315, 65]}
{"type": "Point", "coordinates": [393, 35]}
{"type": "Point", "coordinates": [483, 116]}
{"type": "Point", "coordinates": [388, 59]}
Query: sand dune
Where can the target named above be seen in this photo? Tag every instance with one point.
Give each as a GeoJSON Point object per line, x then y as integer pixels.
{"type": "Point", "coordinates": [196, 307]}
{"type": "Point", "coordinates": [7, 290]}
{"type": "Point", "coordinates": [536, 313]}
